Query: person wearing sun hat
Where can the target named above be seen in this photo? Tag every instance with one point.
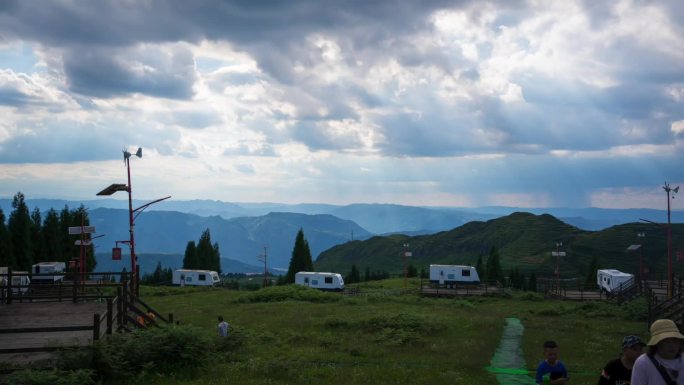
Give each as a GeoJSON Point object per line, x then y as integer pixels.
{"type": "Point", "coordinates": [619, 371]}
{"type": "Point", "coordinates": [662, 364]}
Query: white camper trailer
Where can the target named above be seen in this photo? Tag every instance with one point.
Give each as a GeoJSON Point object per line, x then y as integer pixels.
{"type": "Point", "coordinates": [322, 281]}
{"type": "Point", "coordinates": [613, 281]}
{"type": "Point", "coordinates": [451, 275]}
{"type": "Point", "coordinates": [188, 277]}
{"type": "Point", "coordinates": [46, 268]}
{"type": "Point", "coordinates": [20, 280]}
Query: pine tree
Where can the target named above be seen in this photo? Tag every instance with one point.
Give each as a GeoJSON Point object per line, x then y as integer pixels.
{"type": "Point", "coordinates": [190, 258]}
{"type": "Point", "coordinates": [481, 272]}
{"type": "Point", "coordinates": [205, 251]}
{"type": "Point", "coordinates": [301, 257]}
{"type": "Point", "coordinates": [216, 259]}
{"type": "Point", "coordinates": [353, 276]}
{"type": "Point", "coordinates": [66, 220]}
{"type": "Point", "coordinates": [590, 281]}
{"type": "Point", "coordinates": [6, 252]}
{"type": "Point", "coordinates": [532, 284]}
{"type": "Point", "coordinates": [494, 272]}
{"type": "Point", "coordinates": [20, 232]}
{"type": "Point", "coordinates": [52, 238]}
{"type": "Point", "coordinates": [367, 275]}
{"type": "Point", "coordinates": [37, 238]}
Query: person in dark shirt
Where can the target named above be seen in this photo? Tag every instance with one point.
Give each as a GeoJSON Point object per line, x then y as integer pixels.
{"type": "Point", "coordinates": [619, 370]}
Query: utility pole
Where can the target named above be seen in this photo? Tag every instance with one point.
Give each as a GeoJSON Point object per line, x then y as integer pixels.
{"type": "Point", "coordinates": [405, 254]}
{"type": "Point", "coordinates": [263, 257]}
{"type": "Point", "coordinates": [641, 259]}
{"type": "Point", "coordinates": [670, 276]}
{"type": "Point", "coordinates": [558, 254]}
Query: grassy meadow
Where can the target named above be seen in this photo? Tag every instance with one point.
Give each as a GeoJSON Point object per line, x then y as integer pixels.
{"type": "Point", "coordinates": [386, 335]}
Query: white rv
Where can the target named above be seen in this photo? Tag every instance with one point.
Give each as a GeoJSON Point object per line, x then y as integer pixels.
{"type": "Point", "coordinates": [451, 275]}
{"type": "Point", "coordinates": [20, 280]}
{"type": "Point", "coordinates": [613, 281]}
{"type": "Point", "coordinates": [46, 268]}
{"type": "Point", "coordinates": [322, 281]}
{"type": "Point", "coordinates": [187, 277]}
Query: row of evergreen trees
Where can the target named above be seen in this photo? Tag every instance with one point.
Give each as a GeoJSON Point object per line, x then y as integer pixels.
{"type": "Point", "coordinates": [202, 255]}
{"type": "Point", "coordinates": [26, 238]}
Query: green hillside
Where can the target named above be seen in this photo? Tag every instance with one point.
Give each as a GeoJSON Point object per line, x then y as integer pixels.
{"type": "Point", "coordinates": [524, 241]}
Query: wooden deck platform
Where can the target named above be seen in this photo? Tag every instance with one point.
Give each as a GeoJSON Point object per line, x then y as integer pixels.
{"type": "Point", "coordinates": [45, 315]}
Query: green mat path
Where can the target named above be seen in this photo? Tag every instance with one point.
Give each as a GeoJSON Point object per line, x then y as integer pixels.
{"type": "Point", "coordinates": [508, 363]}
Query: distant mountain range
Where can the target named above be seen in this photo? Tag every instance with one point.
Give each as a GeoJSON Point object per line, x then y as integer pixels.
{"type": "Point", "coordinates": [524, 240]}
{"type": "Point", "coordinates": [243, 229]}
{"type": "Point", "coordinates": [375, 218]}
{"type": "Point", "coordinates": [240, 239]}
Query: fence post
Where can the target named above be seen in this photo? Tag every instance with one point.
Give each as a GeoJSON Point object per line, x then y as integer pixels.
{"type": "Point", "coordinates": [124, 302]}
{"type": "Point", "coordinates": [110, 308]}
{"type": "Point", "coordinates": [119, 307]}
{"type": "Point", "coordinates": [74, 291]}
{"type": "Point", "coordinates": [9, 285]}
{"type": "Point", "coordinates": [171, 318]}
{"type": "Point", "coordinates": [96, 327]}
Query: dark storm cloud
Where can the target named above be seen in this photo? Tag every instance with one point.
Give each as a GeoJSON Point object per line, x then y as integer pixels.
{"type": "Point", "coordinates": [102, 72]}
{"type": "Point", "coordinates": [271, 31]}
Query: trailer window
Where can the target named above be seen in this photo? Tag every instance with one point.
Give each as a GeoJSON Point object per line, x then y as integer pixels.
{"type": "Point", "coordinates": [328, 280]}
{"type": "Point", "coordinates": [188, 279]}
{"type": "Point", "coordinates": [314, 282]}
{"type": "Point", "coordinates": [450, 276]}
{"type": "Point", "coordinates": [465, 273]}
{"type": "Point", "coordinates": [202, 277]}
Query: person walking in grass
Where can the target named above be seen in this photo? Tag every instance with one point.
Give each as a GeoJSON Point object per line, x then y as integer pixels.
{"type": "Point", "coordinates": [662, 364]}
{"type": "Point", "coordinates": [223, 327]}
{"type": "Point", "coordinates": [551, 370]}
{"type": "Point", "coordinates": [619, 370]}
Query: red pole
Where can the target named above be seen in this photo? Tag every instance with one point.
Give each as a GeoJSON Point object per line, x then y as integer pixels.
{"type": "Point", "coordinates": [134, 259]}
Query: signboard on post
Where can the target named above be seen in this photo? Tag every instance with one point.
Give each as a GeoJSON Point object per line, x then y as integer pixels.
{"type": "Point", "coordinates": [116, 253]}
{"type": "Point", "coordinates": [558, 253]}
{"type": "Point", "coordinates": [75, 230]}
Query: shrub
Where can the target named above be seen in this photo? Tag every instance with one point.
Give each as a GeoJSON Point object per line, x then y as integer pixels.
{"type": "Point", "coordinates": [52, 377]}
{"type": "Point", "coordinates": [289, 293]}
{"type": "Point", "coordinates": [161, 350]}
{"type": "Point", "coordinates": [636, 310]}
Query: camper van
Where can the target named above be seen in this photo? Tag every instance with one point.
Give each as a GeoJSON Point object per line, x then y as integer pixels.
{"type": "Point", "coordinates": [20, 280]}
{"type": "Point", "coordinates": [47, 268]}
{"type": "Point", "coordinates": [613, 281]}
{"type": "Point", "coordinates": [322, 281]}
{"type": "Point", "coordinates": [186, 277]}
{"type": "Point", "coordinates": [450, 275]}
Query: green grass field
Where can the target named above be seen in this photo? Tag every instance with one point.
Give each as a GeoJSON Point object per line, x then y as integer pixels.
{"type": "Point", "coordinates": [386, 335]}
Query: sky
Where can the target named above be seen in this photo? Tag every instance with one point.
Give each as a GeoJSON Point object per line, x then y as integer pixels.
{"type": "Point", "coordinates": [429, 103]}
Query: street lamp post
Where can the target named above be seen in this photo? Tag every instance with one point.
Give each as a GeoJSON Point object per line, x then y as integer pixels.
{"type": "Point", "coordinates": [670, 276]}
{"type": "Point", "coordinates": [131, 218]}
{"type": "Point", "coordinates": [558, 254]}
{"type": "Point", "coordinates": [641, 259]}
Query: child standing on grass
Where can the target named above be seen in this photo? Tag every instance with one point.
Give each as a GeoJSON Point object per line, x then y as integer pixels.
{"type": "Point", "coordinates": [222, 327]}
{"type": "Point", "coordinates": [551, 370]}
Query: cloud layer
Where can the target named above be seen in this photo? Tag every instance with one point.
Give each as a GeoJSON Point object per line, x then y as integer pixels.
{"type": "Point", "coordinates": [432, 102]}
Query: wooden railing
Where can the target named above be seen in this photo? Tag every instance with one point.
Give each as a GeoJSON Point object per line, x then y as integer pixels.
{"type": "Point", "coordinates": [73, 286]}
